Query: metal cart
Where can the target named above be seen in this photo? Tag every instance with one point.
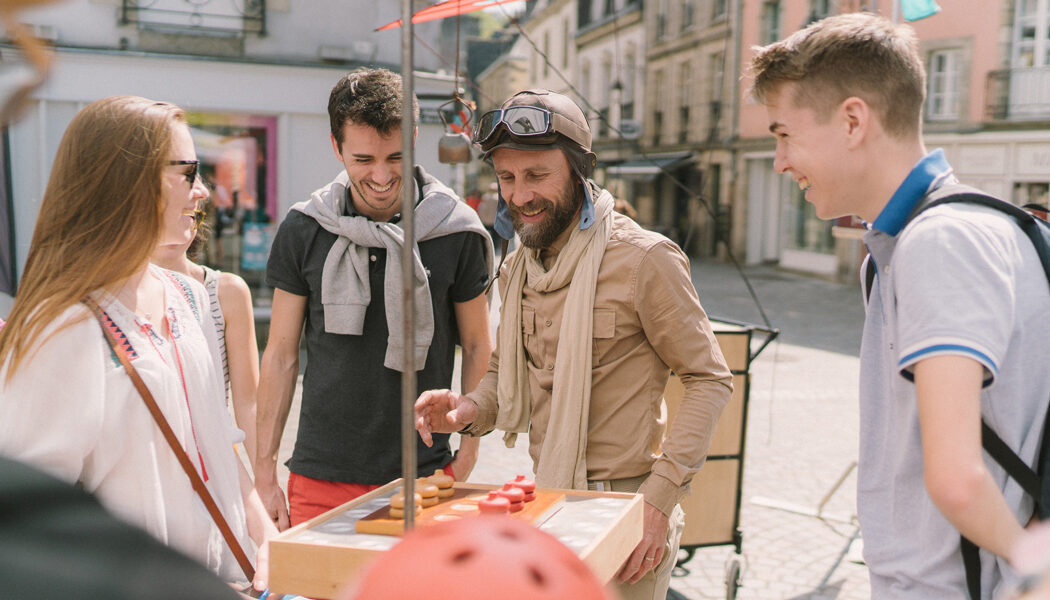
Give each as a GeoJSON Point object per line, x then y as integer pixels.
{"type": "Point", "coordinates": [712, 510]}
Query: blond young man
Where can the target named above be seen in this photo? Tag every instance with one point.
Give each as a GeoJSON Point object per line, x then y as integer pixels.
{"type": "Point", "coordinates": [955, 327]}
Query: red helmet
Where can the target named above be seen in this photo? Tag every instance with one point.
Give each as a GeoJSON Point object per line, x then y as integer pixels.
{"type": "Point", "coordinates": [478, 558]}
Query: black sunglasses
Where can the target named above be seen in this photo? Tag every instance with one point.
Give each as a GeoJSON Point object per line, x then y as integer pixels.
{"type": "Point", "coordinates": [191, 175]}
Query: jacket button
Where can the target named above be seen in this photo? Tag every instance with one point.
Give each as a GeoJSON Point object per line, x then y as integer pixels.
{"type": "Point", "coordinates": [548, 322]}
{"type": "Point", "coordinates": [550, 366]}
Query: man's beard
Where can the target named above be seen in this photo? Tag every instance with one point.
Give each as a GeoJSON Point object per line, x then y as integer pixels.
{"type": "Point", "coordinates": [559, 217]}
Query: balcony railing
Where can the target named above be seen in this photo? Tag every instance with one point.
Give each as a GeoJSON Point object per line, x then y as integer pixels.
{"type": "Point", "coordinates": [196, 16]}
{"type": "Point", "coordinates": [1022, 93]}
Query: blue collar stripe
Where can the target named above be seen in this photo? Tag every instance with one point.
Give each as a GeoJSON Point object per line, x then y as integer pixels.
{"type": "Point", "coordinates": [893, 217]}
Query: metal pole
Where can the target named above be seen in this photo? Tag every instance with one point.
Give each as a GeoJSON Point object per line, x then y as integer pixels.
{"type": "Point", "coordinates": [408, 204]}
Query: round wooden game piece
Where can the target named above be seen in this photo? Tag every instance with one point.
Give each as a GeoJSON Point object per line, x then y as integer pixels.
{"type": "Point", "coordinates": [398, 500]}
{"type": "Point", "coordinates": [494, 504]}
{"type": "Point", "coordinates": [525, 485]}
{"type": "Point", "coordinates": [441, 479]}
{"type": "Point", "coordinates": [428, 491]}
{"type": "Point", "coordinates": [397, 513]}
{"type": "Point", "coordinates": [443, 482]}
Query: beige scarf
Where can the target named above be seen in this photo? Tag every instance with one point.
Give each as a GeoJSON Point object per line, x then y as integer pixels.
{"type": "Point", "coordinates": [562, 463]}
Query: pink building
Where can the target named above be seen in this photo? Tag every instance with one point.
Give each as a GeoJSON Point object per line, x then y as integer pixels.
{"type": "Point", "coordinates": [988, 106]}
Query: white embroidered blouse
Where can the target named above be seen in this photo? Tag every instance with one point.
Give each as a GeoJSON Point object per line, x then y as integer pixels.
{"type": "Point", "coordinates": [72, 411]}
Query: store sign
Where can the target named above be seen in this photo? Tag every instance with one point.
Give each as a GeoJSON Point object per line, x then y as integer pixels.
{"type": "Point", "coordinates": [630, 129]}
{"type": "Point", "coordinates": [1033, 159]}
{"type": "Point", "coordinates": [981, 159]}
{"type": "Point", "coordinates": [255, 250]}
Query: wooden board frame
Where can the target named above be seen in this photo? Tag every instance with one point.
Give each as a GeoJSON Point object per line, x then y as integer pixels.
{"type": "Point", "coordinates": [323, 556]}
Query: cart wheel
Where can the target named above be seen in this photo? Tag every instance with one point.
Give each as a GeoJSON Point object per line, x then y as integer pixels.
{"type": "Point", "coordinates": [732, 578]}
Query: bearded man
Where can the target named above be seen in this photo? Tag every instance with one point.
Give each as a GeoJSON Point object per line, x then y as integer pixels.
{"type": "Point", "coordinates": [596, 312]}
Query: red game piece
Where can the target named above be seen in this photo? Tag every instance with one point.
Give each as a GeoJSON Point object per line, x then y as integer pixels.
{"type": "Point", "coordinates": [525, 485]}
{"type": "Point", "coordinates": [494, 504]}
{"type": "Point", "coordinates": [514, 495]}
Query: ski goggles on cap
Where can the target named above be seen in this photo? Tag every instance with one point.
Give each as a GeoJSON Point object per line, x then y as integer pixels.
{"type": "Point", "coordinates": [529, 122]}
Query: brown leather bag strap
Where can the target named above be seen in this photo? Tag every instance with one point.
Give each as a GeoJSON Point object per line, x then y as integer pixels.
{"type": "Point", "coordinates": [176, 447]}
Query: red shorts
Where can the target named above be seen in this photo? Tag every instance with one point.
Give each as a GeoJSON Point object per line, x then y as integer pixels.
{"type": "Point", "coordinates": [309, 497]}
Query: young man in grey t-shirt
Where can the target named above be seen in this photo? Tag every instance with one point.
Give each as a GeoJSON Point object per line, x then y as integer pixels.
{"type": "Point", "coordinates": [955, 328]}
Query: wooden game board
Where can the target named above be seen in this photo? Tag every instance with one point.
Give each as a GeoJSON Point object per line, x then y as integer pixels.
{"type": "Point", "coordinates": [462, 503]}
{"type": "Point", "coordinates": [320, 557]}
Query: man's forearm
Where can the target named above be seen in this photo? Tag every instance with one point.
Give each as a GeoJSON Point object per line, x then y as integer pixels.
{"type": "Point", "coordinates": [981, 514]}
{"type": "Point", "coordinates": [276, 390]}
{"type": "Point", "coordinates": [688, 439]}
{"type": "Point", "coordinates": [474, 364]}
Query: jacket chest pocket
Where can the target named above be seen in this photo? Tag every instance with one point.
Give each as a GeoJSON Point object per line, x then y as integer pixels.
{"type": "Point", "coordinates": [528, 320]}
{"type": "Point", "coordinates": [604, 331]}
{"type": "Point", "coordinates": [528, 332]}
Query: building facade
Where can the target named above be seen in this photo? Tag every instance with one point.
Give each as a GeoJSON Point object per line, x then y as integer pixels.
{"type": "Point", "coordinates": [254, 77]}
{"type": "Point", "coordinates": [610, 47]}
{"type": "Point", "coordinates": [988, 66]}
{"type": "Point", "coordinates": [680, 178]}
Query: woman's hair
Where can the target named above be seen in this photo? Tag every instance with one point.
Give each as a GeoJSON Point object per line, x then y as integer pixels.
{"type": "Point", "coordinates": [201, 236]}
{"type": "Point", "coordinates": [101, 215]}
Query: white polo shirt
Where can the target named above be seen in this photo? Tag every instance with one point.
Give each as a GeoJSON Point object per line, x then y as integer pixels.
{"type": "Point", "coordinates": [958, 280]}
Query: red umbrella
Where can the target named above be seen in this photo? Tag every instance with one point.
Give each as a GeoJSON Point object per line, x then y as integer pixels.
{"type": "Point", "coordinates": [448, 8]}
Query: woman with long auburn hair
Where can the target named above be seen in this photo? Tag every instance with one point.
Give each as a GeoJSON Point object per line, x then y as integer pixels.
{"type": "Point", "coordinates": [125, 180]}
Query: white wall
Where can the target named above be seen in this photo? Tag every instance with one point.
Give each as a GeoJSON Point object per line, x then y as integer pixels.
{"type": "Point", "coordinates": [297, 96]}
{"type": "Point", "coordinates": [296, 29]}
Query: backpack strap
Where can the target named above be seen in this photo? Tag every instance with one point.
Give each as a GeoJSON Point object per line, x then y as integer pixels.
{"type": "Point", "coordinates": [869, 277]}
{"type": "Point", "coordinates": [971, 556]}
{"type": "Point", "coordinates": [1037, 230]}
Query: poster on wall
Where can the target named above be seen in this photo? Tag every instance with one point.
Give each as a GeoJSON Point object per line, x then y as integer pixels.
{"type": "Point", "coordinates": [238, 156]}
{"type": "Point", "coordinates": [256, 248]}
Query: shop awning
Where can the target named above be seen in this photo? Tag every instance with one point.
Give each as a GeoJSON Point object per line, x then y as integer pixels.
{"type": "Point", "coordinates": [648, 167]}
